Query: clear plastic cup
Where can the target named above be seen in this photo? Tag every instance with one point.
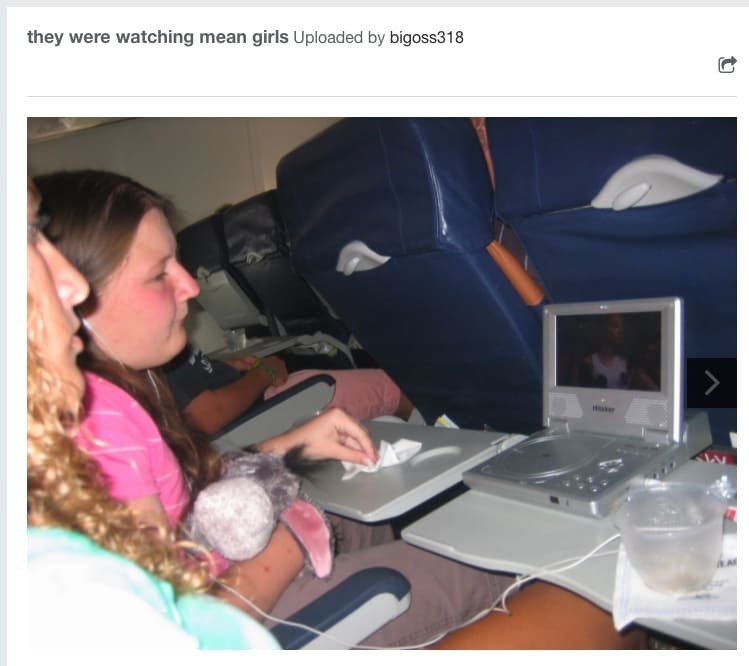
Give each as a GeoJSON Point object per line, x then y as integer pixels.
{"type": "Point", "coordinates": [673, 535]}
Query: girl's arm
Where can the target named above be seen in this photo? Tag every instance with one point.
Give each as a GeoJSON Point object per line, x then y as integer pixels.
{"type": "Point", "coordinates": [264, 578]}
{"type": "Point", "coordinates": [213, 409]}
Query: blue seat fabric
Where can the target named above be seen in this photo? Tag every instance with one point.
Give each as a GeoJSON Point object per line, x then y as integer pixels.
{"type": "Point", "coordinates": [439, 316]}
{"type": "Point", "coordinates": [548, 170]}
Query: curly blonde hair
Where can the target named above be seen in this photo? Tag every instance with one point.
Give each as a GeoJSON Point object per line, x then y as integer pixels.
{"type": "Point", "coordinates": [65, 488]}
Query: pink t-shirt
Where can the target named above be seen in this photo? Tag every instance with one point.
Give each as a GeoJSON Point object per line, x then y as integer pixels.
{"type": "Point", "coordinates": [118, 433]}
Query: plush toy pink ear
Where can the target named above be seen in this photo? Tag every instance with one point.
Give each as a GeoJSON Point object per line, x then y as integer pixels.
{"type": "Point", "coordinates": [308, 525]}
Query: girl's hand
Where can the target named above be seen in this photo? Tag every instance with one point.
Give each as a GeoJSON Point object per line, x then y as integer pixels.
{"type": "Point", "coordinates": [331, 435]}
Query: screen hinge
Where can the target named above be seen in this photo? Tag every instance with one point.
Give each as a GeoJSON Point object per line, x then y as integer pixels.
{"type": "Point", "coordinates": [652, 436]}
{"type": "Point", "coordinates": [558, 426]}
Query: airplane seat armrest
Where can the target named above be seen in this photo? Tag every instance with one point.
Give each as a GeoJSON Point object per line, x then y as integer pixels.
{"type": "Point", "coordinates": [277, 414]}
{"type": "Point", "coordinates": [349, 613]}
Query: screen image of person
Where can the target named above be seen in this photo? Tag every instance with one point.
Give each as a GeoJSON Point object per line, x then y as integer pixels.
{"type": "Point", "coordinates": [612, 351]}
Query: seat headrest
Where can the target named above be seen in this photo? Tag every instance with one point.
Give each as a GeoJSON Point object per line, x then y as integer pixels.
{"type": "Point", "coordinates": [551, 164]}
{"type": "Point", "coordinates": [395, 184]}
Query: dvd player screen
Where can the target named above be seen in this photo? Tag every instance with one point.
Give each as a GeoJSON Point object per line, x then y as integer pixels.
{"type": "Point", "coordinates": [616, 350]}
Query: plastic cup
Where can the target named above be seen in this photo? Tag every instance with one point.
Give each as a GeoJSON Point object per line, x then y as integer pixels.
{"type": "Point", "coordinates": [673, 535]}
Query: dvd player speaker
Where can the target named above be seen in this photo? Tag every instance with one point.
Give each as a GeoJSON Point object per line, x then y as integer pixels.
{"type": "Point", "coordinates": [565, 406]}
{"type": "Point", "coordinates": [648, 413]}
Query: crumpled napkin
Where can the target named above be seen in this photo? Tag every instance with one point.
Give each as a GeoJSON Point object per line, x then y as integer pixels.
{"type": "Point", "coordinates": [389, 455]}
{"type": "Point", "coordinates": [634, 600]}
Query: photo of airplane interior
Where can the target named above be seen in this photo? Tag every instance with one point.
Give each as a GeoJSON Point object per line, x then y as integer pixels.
{"type": "Point", "coordinates": [438, 360]}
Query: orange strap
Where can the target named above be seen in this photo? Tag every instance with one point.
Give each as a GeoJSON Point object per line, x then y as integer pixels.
{"type": "Point", "coordinates": [525, 285]}
{"type": "Point", "coordinates": [479, 124]}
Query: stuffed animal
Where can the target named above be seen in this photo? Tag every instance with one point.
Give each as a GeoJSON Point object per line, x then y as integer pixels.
{"type": "Point", "coordinates": [237, 514]}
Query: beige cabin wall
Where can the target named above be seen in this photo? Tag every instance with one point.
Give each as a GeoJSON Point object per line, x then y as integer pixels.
{"type": "Point", "coordinates": [201, 163]}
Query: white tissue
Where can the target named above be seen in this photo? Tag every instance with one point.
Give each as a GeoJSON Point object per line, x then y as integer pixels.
{"type": "Point", "coordinates": [634, 600]}
{"type": "Point", "coordinates": [389, 455]}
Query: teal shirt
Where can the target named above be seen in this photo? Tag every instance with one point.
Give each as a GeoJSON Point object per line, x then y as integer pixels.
{"type": "Point", "coordinates": [82, 596]}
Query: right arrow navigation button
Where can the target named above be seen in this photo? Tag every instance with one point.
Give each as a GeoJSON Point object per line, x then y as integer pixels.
{"type": "Point", "coordinates": [711, 382]}
{"type": "Point", "coordinates": [714, 382]}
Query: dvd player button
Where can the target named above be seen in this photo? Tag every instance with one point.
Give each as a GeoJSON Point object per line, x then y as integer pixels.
{"type": "Point", "coordinates": [611, 466]}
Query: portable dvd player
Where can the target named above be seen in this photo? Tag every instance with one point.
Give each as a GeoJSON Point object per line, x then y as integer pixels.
{"type": "Point", "coordinates": [612, 408]}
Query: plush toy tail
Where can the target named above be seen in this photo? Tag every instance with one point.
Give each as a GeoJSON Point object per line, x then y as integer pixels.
{"type": "Point", "coordinates": [311, 529]}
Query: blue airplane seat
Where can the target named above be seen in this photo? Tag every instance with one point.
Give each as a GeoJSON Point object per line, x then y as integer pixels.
{"type": "Point", "coordinates": [550, 174]}
{"type": "Point", "coordinates": [389, 219]}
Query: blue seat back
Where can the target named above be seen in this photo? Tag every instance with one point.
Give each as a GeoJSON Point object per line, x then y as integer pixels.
{"type": "Point", "coordinates": [547, 171]}
{"type": "Point", "coordinates": [438, 316]}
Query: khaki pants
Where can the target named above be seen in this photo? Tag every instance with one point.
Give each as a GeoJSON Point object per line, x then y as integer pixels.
{"type": "Point", "coordinates": [445, 594]}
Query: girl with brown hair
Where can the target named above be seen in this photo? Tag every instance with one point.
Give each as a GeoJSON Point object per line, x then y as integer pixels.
{"type": "Point", "coordinates": [117, 233]}
{"type": "Point", "coordinates": [82, 544]}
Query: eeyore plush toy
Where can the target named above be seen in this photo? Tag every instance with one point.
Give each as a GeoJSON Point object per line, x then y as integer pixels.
{"type": "Point", "coordinates": [237, 514]}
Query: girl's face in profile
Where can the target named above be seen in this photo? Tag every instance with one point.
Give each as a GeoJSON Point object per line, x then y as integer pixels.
{"type": "Point", "coordinates": [56, 288]}
{"type": "Point", "coordinates": [141, 309]}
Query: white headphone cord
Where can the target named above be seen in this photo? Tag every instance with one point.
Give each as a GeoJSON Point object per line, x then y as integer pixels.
{"type": "Point", "coordinates": [299, 625]}
{"type": "Point", "coordinates": [110, 352]}
{"type": "Point", "coordinates": [566, 564]}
